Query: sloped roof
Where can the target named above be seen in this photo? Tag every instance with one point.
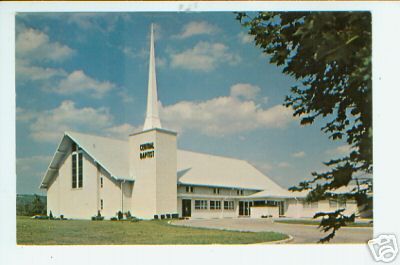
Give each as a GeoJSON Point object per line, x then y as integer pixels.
{"type": "Point", "coordinates": [210, 170]}
{"type": "Point", "coordinates": [303, 194]}
{"type": "Point", "coordinates": [268, 192]}
{"type": "Point", "coordinates": [192, 168]}
{"type": "Point", "coordinates": [111, 154]}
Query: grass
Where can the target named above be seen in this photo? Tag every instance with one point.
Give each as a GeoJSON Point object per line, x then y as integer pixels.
{"type": "Point", "coordinates": [317, 222]}
{"type": "Point", "coordinates": [83, 232]}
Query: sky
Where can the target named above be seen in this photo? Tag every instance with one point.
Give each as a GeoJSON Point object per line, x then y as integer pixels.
{"type": "Point", "coordinates": [88, 72]}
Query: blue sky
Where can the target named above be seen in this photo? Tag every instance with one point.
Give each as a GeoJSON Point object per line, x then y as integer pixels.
{"type": "Point", "coordinates": [87, 72]}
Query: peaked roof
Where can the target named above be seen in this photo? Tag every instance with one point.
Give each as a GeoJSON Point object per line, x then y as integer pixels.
{"type": "Point", "coordinates": [110, 154]}
{"type": "Point", "coordinates": [210, 170]}
{"type": "Point", "coordinates": [192, 168]}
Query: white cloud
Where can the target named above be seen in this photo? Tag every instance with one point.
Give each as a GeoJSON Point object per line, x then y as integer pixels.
{"type": "Point", "coordinates": [223, 115]}
{"type": "Point", "coordinates": [126, 97]}
{"type": "Point", "coordinates": [284, 165]}
{"type": "Point", "coordinates": [299, 154]}
{"type": "Point", "coordinates": [245, 37]}
{"type": "Point", "coordinates": [23, 115]}
{"type": "Point", "coordinates": [29, 165]}
{"type": "Point", "coordinates": [197, 28]}
{"type": "Point", "coordinates": [122, 131]}
{"type": "Point", "coordinates": [140, 53]}
{"type": "Point", "coordinates": [340, 150]}
{"type": "Point", "coordinates": [49, 126]}
{"type": "Point", "coordinates": [246, 91]}
{"type": "Point", "coordinates": [160, 62]}
{"type": "Point", "coordinates": [263, 166]}
{"type": "Point", "coordinates": [204, 56]}
{"type": "Point", "coordinates": [98, 21]}
{"type": "Point", "coordinates": [79, 82]}
{"type": "Point", "coordinates": [25, 71]}
{"type": "Point", "coordinates": [34, 45]}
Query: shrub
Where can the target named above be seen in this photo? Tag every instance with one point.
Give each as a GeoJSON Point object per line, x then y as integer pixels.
{"type": "Point", "coordinates": [51, 216]}
{"type": "Point", "coordinates": [40, 217]}
{"type": "Point", "coordinates": [98, 217]}
{"type": "Point", "coordinates": [134, 219]}
{"type": "Point", "coordinates": [175, 216]}
{"type": "Point", "coordinates": [120, 215]}
{"type": "Point", "coordinates": [113, 219]}
{"type": "Point", "coordinates": [128, 215]}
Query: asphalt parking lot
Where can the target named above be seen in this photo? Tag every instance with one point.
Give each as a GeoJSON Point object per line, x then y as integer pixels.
{"type": "Point", "coordinates": [301, 233]}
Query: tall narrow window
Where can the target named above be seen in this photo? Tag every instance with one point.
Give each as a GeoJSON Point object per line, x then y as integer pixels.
{"type": "Point", "coordinates": [73, 171]}
{"type": "Point", "coordinates": [101, 204]}
{"type": "Point", "coordinates": [101, 182]}
{"type": "Point", "coordinates": [80, 170]}
{"type": "Point", "coordinates": [77, 167]}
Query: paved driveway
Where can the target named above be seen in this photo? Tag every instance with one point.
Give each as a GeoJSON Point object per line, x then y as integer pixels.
{"type": "Point", "coordinates": [300, 233]}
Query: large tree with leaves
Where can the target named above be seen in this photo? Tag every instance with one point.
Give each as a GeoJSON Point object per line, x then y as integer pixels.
{"type": "Point", "coordinates": [329, 53]}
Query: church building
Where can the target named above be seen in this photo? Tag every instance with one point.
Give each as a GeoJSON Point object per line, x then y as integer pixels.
{"type": "Point", "coordinates": [150, 178]}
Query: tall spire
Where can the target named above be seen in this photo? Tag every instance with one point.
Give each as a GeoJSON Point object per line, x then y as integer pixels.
{"type": "Point", "coordinates": [152, 118]}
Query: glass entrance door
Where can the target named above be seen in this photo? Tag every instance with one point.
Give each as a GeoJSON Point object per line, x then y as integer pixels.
{"type": "Point", "coordinates": [281, 208]}
{"type": "Point", "coordinates": [244, 208]}
{"type": "Point", "coordinates": [186, 208]}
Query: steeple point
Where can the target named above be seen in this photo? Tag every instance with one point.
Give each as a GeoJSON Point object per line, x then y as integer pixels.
{"type": "Point", "coordinates": [152, 117]}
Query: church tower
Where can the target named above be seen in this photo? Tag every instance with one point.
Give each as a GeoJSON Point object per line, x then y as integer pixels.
{"type": "Point", "coordinates": [153, 158]}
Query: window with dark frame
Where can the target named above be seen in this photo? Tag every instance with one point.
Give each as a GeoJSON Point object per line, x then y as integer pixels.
{"type": "Point", "coordinates": [200, 204]}
{"type": "Point", "coordinates": [77, 167]}
{"type": "Point", "coordinates": [189, 189]}
{"type": "Point", "coordinates": [80, 170]}
{"type": "Point", "coordinates": [215, 205]}
{"type": "Point", "coordinates": [216, 190]}
{"type": "Point", "coordinates": [259, 203]}
{"type": "Point", "coordinates": [101, 204]}
{"type": "Point", "coordinates": [229, 205]}
{"type": "Point", "coordinates": [101, 182]}
{"type": "Point", "coordinates": [74, 171]}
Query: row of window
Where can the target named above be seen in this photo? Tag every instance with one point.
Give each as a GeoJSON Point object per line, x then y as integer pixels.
{"type": "Point", "coordinates": [190, 189]}
{"type": "Point", "coordinates": [214, 205]}
{"type": "Point", "coordinates": [337, 203]}
{"type": "Point", "coordinates": [332, 204]}
{"type": "Point", "coordinates": [265, 203]}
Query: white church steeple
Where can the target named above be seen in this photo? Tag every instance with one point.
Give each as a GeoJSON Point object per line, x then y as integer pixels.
{"type": "Point", "coordinates": [152, 118]}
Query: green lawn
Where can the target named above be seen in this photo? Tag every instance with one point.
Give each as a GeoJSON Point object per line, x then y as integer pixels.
{"type": "Point", "coordinates": [316, 222]}
{"type": "Point", "coordinates": [81, 232]}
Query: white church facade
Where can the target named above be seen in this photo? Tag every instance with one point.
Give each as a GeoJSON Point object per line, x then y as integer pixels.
{"type": "Point", "coordinates": [150, 178]}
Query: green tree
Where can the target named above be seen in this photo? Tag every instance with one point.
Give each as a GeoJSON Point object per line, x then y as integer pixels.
{"type": "Point", "coordinates": [329, 54]}
{"type": "Point", "coordinates": [38, 206]}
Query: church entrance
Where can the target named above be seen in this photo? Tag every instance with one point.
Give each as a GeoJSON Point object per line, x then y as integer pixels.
{"type": "Point", "coordinates": [244, 208]}
{"type": "Point", "coordinates": [186, 208]}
